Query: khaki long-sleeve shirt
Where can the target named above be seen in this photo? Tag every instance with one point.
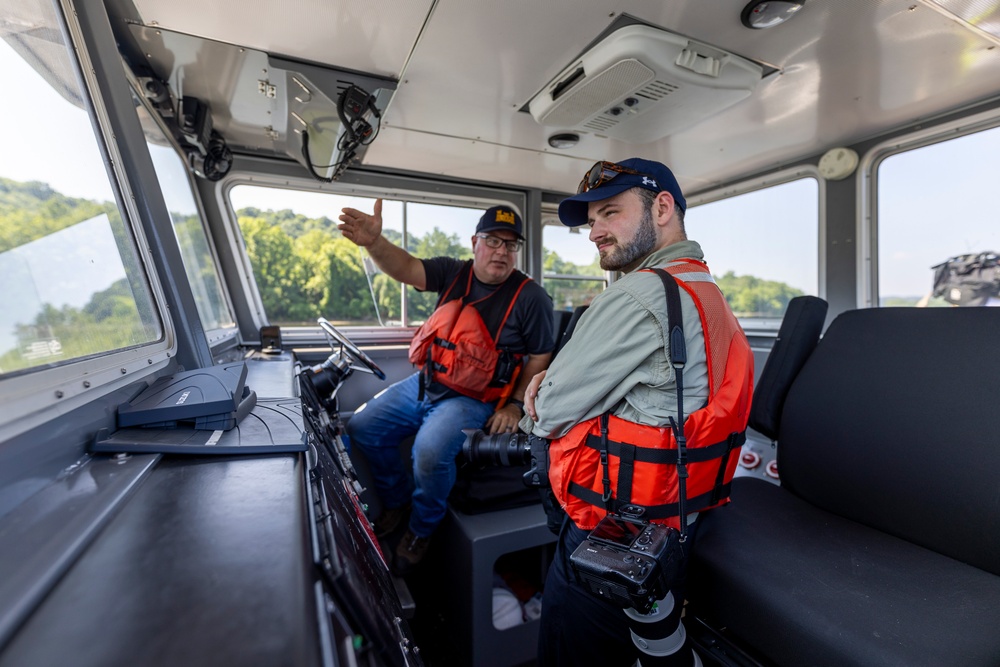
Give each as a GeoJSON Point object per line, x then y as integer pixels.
{"type": "Point", "coordinates": [617, 358]}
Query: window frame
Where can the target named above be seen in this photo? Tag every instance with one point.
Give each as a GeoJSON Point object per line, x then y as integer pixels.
{"type": "Point", "coordinates": [28, 394]}
{"type": "Point", "coordinates": [220, 337]}
{"type": "Point", "coordinates": [550, 218]}
{"type": "Point", "coordinates": [867, 196]}
{"type": "Point", "coordinates": [770, 180]}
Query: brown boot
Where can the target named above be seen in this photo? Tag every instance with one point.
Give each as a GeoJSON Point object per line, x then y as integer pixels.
{"type": "Point", "coordinates": [389, 519]}
{"type": "Point", "coordinates": [409, 552]}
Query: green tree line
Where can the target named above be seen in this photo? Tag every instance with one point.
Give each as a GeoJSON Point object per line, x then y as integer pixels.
{"type": "Point", "coordinates": [306, 269]}
{"type": "Point", "coordinates": [114, 317]}
{"type": "Point", "coordinates": [750, 296]}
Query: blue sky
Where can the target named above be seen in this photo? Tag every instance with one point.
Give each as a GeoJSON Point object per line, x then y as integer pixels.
{"type": "Point", "coordinates": [930, 211]}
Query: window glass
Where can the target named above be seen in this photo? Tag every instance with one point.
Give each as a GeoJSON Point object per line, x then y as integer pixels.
{"type": "Point", "coordinates": [572, 274]}
{"type": "Point", "coordinates": [436, 231]}
{"type": "Point", "coordinates": [196, 252]}
{"type": "Point", "coordinates": [938, 235]}
{"type": "Point", "coordinates": [73, 282]}
{"type": "Point", "coordinates": [762, 248]}
{"type": "Point", "coordinates": [305, 268]}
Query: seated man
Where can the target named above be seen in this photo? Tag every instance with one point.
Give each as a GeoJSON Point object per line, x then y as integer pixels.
{"type": "Point", "coordinates": [490, 333]}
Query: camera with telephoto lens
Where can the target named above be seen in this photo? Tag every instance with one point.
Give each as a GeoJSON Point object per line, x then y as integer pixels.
{"type": "Point", "coordinates": [509, 449]}
{"type": "Point", "coordinates": [628, 561]}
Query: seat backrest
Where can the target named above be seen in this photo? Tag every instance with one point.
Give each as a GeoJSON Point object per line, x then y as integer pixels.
{"type": "Point", "coordinates": [892, 423]}
{"type": "Point", "coordinates": [797, 338]}
{"type": "Point", "coordinates": [560, 318]}
{"type": "Point", "coordinates": [570, 326]}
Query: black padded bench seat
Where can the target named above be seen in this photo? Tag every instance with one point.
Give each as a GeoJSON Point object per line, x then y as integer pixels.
{"type": "Point", "coordinates": [817, 589]}
{"type": "Point", "coordinates": [882, 546]}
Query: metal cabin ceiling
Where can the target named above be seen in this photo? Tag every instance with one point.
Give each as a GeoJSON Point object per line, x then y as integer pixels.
{"type": "Point", "coordinates": [848, 70]}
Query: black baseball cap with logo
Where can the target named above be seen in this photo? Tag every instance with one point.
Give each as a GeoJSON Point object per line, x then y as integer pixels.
{"type": "Point", "coordinates": [501, 217]}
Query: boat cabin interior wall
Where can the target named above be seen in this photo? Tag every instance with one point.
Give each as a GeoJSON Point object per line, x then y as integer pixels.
{"type": "Point", "coordinates": [427, 103]}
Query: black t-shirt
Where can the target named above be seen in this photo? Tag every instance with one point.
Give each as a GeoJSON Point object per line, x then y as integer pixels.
{"type": "Point", "coordinates": [528, 329]}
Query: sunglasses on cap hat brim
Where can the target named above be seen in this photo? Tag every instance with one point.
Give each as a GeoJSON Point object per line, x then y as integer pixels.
{"type": "Point", "coordinates": [602, 173]}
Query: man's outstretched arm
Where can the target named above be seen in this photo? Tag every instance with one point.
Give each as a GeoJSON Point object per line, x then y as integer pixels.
{"type": "Point", "coordinates": [365, 230]}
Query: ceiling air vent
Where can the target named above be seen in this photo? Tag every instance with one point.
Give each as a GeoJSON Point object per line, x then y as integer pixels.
{"type": "Point", "coordinates": [640, 84]}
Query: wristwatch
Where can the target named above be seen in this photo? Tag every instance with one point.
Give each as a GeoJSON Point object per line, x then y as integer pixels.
{"type": "Point", "coordinates": [514, 401]}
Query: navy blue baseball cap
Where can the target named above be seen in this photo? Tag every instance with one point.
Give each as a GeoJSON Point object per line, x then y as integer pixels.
{"type": "Point", "coordinates": [607, 179]}
{"type": "Point", "coordinates": [501, 217]}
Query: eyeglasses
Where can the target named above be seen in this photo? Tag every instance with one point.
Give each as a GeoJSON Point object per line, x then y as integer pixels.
{"type": "Point", "coordinates": [495, 242]}
{"type": "Point", "coordinates": [601, 173]}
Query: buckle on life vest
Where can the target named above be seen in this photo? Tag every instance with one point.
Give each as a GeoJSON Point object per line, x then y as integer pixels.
{"type": "Point", "coordinates": [604, 458]}
{"type": "Point", "coordinates": [607, 479]}
{"type": "Point", "coordinates": [446, 344]}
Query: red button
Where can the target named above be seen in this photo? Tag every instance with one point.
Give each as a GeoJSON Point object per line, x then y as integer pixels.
{"type": "Point", "coordinates": [772, 469]}
{"type": "Point", "coordinates": [749, 459]}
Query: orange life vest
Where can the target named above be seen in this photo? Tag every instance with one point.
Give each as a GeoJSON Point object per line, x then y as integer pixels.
{"type": "Point", "coordinates": [457, 345]}
{"type": "Point", "coordinates": [642, 461]}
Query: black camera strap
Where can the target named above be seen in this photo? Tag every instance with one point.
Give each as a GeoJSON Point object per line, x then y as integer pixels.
{"type": "Point", "coordinates": [678, 358]}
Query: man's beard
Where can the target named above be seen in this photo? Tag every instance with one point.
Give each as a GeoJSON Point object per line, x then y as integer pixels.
{"type": "Point", "coordinates": [641, 245]}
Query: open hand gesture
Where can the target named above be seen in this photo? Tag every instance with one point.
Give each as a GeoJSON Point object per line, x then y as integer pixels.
{"type": "Point", "coordinates": [361, 228]}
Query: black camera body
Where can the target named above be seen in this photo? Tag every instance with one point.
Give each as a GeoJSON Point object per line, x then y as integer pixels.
{"type": "Point", "coordinates": [509, 449]}
{"type": "Point", "coordinates": [627, 561]}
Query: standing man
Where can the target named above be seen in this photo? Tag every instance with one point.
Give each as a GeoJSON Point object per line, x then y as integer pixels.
{"type": "Point", "coordinates": [489, 334]}
{"type": "Point", "coordinates": [616, 375]}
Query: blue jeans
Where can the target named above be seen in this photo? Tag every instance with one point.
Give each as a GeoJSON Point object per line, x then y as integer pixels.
{"type": "Point", "coordinates": [378, 427]}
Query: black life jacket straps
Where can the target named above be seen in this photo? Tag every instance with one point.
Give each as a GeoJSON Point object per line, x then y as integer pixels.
{"type": "Point", "coordinates": [667, 456]}
{"type": "Point", "coordinates": [734, 441]}
{"type": "Point", "coordinates": [665, 511]}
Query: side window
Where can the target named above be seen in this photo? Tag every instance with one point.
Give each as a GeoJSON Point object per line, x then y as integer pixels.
{"type": "Point", "coordinates": [572, 273]}
{"type": "Point", "coordinates": [74, 286]}
{"type": "Point", "coordinates": [938, 236]}
{"type": "Point", "coordinates": [196, 252]}
{"type": "Point", "coordinates": [762, 248]}
{"type": "Point", "coordinates": [304, 268]}
{"type": "Point", "coordinates": [436, 231]}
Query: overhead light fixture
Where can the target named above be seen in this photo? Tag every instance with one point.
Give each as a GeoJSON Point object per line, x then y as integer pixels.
{"type": "Point", "coordinates": [760, 14]}
{"type": "Point", "coordinates": [564, 140]}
